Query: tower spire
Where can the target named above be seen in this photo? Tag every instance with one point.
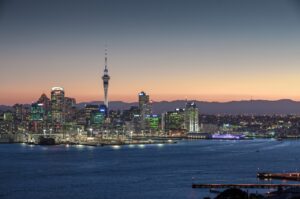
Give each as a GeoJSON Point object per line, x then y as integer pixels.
{"type": "Point", "coordinates": [105, 58]}
{"type": "Point", "coordinates": [105, 79]}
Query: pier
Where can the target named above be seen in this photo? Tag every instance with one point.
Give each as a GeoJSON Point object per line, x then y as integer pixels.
{"type": "Point", "coordinates": [279, 176]}
{"type": "Point", "coordinates": [245, 186]}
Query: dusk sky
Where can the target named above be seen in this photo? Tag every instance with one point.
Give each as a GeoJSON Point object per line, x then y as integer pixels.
{"type": "Point", "coordinates": [212, 50]}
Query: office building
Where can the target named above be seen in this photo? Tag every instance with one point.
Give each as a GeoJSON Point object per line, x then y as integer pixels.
{"type": "Point", "coordinates": [57, 105]}
{"type": "Point", "coordinates": [145, 109]}
{"type": "Point", "coordinates": [173, 121]}
{"type": "Point", "coordinates": [191, 119]}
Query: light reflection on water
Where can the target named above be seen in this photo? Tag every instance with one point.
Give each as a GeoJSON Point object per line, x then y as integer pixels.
{"type": "Point", "coordinates": [138, 171]}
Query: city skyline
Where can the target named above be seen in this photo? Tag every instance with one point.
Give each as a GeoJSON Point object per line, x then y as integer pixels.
{"type": "Point", "coordinates": [201, 50]}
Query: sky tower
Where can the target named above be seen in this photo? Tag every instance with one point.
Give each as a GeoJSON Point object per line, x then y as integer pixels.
{"type": "Point", "coordinates": [105, 79]}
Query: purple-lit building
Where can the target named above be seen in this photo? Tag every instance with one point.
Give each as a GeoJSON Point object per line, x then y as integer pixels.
{"type": "Point", "coordinates": [227, 136]}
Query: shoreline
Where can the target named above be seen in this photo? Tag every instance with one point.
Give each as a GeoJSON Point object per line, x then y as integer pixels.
{"type": "Point", "coordinates": [162, 141]}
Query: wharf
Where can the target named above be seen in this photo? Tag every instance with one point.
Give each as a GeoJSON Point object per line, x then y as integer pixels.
{"type": "Point", "coordinates": [247, 186]}
{"type": "Point", "coordinates": [111, 143]}
{"type": "Point", "coordinates": [279, 176]}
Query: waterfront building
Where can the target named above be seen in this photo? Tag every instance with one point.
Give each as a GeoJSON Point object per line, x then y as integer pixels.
{"type": "Point", "coordinates": [191, 117]}
{"type": "Point", "coordinates": [152, 122]}
{"type": "Point", "coordinates": [209, 128]}
{"type": "Point", "coordinates": [173, 121]}
{"type": "Point", "coordinates": [57, 105]}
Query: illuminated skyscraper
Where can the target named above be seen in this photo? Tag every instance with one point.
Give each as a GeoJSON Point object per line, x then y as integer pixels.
{"type": "Point", "coordinates": [152, 122]}
{"type": "Point", "coordinates": [105, 79]}
{"type": "Point", "coordinates": [191, 117]}
{"type": "Point", "coordinates": [173, 121]}
{"type": "Point", "coordinates": [69, 109]}
{"type": "Point", "coordinates": [145, 109]}
{"type": "Point", "coordinates": [144, 104]}
{"type": "Point", "coordinates": [46, 104]}
{"type": "Point", "coordinates": [89, 109]}
{"type": "Point", "coordinates": [37, 115]}
{"type": "Point", "coordinates": [18, 112]}
{"type": "Point", "coordinates": [57, 104]}
{"type": "Point", "coordinates": [37, 112]}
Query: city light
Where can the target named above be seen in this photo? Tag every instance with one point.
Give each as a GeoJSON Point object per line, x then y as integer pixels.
{"type": "Point", "coordinates": [116, 146]}
{"type": "Point", "coordinates": [187, 95]}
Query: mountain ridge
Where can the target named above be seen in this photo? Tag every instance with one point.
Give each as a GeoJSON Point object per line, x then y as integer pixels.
{"type": "Point", "coordinates": [258, 107]}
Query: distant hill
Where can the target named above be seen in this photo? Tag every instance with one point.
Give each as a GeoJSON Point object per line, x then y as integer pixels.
{"type": "Point", "coordinates": [258, 107]}
{"type": "Point", "coordinates": [114, 105]}
{"type": "Point", "coordinates": [5, 108]}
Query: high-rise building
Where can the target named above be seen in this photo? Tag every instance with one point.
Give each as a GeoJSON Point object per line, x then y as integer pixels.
{"type": "Point", "coordinates": [152, 122]}
{"type": "Point", "coordinates": [44, 100]}
{"type": "Point", "coordinates": [191, 119]}
{"type": "Point", "coordinates": [18, 112]}
{"type": "Point", "coordinates": [57, 104]}
{"type": "Point", "coordinates": [89, 109]}
{"type": "Point", "coordinates": [103, 110]}
{"type": "Point", "coordinates": [131, 118]}
{"type": "Point", "coordinates": [69, 109]}
{"type": "Point", "coordinates": [105, 79]}
{"type": "Point", "coordinates": [37, 115]}
{"type": "Point", "coordinates": [37, 112]}
{"type": "Point", "coordinates": [128, 115]}
{"type": "Point", "coordinates": [8, 116]}
{"type": "Point", "coordinates": [144, 104]}
{"type": "Point", "coordinates": [46, 105]}
{"type": "Point", "coordinates": [145, 109]}
{"type": "Point", "coordinates": [173, 121]}
{"type": "Point", "coordinates": [97, 118]}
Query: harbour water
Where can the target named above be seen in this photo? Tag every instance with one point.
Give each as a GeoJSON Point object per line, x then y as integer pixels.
{"type": "Point", "coordinates": [139, 171]}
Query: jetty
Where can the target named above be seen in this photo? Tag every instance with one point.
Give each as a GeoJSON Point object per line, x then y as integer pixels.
{"type": "Point", "coordinates": [280, 176]}
{"type": "Point", "coordinates": [245, 186]}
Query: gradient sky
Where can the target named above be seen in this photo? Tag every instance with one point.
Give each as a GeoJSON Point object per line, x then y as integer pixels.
{"type": "Point", "coordinates": [212, 50]}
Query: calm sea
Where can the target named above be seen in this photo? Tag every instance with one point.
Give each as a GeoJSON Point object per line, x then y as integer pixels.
{"type": "Point", "coordinates": [142, 171]}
